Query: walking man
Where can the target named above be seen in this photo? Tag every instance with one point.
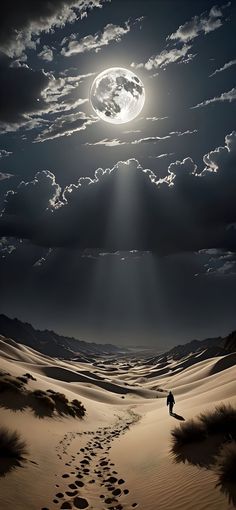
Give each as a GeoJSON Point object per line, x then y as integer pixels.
{"type": "Point", "coordinates": [170, 402]}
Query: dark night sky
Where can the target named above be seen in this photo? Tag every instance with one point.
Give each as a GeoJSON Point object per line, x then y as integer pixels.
{"type": "Point", "coordinates": [141, 251]}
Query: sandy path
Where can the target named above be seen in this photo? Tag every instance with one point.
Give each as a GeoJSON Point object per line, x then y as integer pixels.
{"type": "Point", "coordinates": [91, 479]}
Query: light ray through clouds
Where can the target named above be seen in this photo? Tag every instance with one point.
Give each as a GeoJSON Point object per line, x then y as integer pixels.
{"type": "Point", "coordinates": [118, 233]}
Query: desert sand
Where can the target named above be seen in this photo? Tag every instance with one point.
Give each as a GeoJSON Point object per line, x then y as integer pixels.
{"type": "Point", "coordinates": [118, 456]}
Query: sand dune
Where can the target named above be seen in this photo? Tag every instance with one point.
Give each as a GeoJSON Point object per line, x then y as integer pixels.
{"type": "Point", "coordinates": [117, 456]}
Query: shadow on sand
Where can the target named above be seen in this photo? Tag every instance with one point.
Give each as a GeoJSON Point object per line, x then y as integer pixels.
{"type": "Point", "coordinates": [203, 454]}
{"type": "Point", "coordinates": [7, 465]}
{"type": "Point", "coordinates": [177, 416]}
{"type": "Point", "coordinates": [20, 401]}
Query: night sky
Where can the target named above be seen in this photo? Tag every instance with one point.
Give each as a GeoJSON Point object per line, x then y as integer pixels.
{"type": "Point", "coordinates": [119, 233]}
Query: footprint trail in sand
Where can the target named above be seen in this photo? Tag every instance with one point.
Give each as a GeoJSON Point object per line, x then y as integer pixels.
{"type": "Point", "coordinates": [93, 481]}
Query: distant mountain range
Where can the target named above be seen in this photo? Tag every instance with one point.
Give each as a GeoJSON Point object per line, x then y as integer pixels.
{"type": "Point", "coordinates": [216, 346]}
{"type": "Point", "coordinates": [52, 344]}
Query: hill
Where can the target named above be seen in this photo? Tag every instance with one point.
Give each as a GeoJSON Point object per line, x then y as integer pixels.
{"type": "Point", "coordinates": [216, 346]}
{"type": "Point", "coordinates": [50, 343]}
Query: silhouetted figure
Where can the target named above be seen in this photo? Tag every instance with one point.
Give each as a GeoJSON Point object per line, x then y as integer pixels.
{"type": "Point", "coordinates": [170, 402]}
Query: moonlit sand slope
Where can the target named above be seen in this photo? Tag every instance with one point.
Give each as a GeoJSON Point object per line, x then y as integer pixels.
{"type": "Point", "coordinates": [118, 455]}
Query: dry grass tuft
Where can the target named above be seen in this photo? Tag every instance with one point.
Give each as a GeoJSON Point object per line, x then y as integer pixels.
{"type": "Point", "coordinates": [226, 464]}
{"type": "Point", "coordinates": [44, 399]}
{"type": "Point", "coordinates": [49, 400]}
{"type": "Point", "coordinates": [11, 444]}
{"type": "Point", "coordinates": [188, 432]}
{"type": "Point", "coordinates": [9, 383]}
{"type": "Point", "coordinates": [220, 421]}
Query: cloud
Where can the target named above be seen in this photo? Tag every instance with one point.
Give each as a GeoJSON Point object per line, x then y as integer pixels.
{"type": "Point", "coordinates": [220, 263]}
{"type": "Point", "coordinates": [203, 24]}
{"type": "Point", "coordinates": [4, 175]}
{"type": "Point", "coordinates": [6, 247]}
{"type": "Point", "coordinates": [30, 99]}
{"type": "Point", "coordinates": [65, 125]}
{"type": "Point", "coordinates": [22, 23]}
{"type": "Point", "coordinates": [154, 119]}
{"type": "Point", "coordinates": [42, 260]}
{"type": "Point", "coordinates": [46, 54]}
{"type": "Point", "coordinates": [225, 96]}
{"type": "Point", "coordinates": [115, 142]}
{"type": "Point", "coordinates": [223, 68]}
{"type": "Point", "coordinates": [111, 33]}
{"type": "Point", "coordinates": [127, 131]}
{"type": "Point", "coordinates": [164, 155]}
{"type": "Point", "coordinates": [4, 153]}
{"type": "Point", "coordinates": [188, 209]}
{"type": "Point", "coordinates": [183, 133]}
{"type": "Point", "coordinates": [148, 139]}
{"type": "Point", "coordinates": [20, 93]}
{"type": "Point", "coordinates": [166, 57]}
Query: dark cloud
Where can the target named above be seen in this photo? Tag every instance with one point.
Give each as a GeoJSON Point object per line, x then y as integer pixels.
{"type": "Point", "coordinates": [4, 153]}
{"type": "Point", "coordinates": [20, 93]}
{"type": "Point", "coordinates": [110, 33]}
{"type": "Point", "coordinates": [127, 207]}
{"type": "Point", "coordinates": [205, 23]}
{"type": "Point", "coordinates": [65, 125]}
{"type": "Point", "coordinates": [4, 175]}
{"type": "Point", "coordinates": [31, 98]}
{"type": "Point", "coordinates": [166, 57]}
{"type": "Point", "coordinates": [218, 263]}
{"type": "Point", "coordinates": [21, 21]}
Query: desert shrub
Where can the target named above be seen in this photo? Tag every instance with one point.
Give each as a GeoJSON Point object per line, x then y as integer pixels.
{"type": "Point", "coordinates": [39, 393]}
{"type": "Point", "coordinates": [29, 376]}
{"type": "Point", "coordinates": [59, 397]}
{"type": "Point", "coordinates": [8, 383]}
{"type": "Point", "coordinates": [22, 379]}
{"type": "Point", "coordinates": [46, 401]}
{"type": "Point", "coordinates": [226, 464]}
{"type": "Point", "coordinates": [220, 421]}
{"type": "Point", "coordinates": [188, 432]}
{"type": "Point", "coordinates": [79, 410]}
{"type": "Point", "coordinates": [11, 444]}
{"type": "Point", "coordinates": [71, 410]}
{"type": "Point", "coordinates": [76, 402]}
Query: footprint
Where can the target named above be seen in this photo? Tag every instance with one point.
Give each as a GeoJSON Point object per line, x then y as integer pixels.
{"type": "Point", "coordinates": [79, 484]}
{"type": "Point", "coordinates": [65, 475]}
{"type": "Point", "coordinates": [80, 502]}
{"type": "Point", "coordinates": [112, 479]}
{"type": "Point", "coordinates": [116, 492]}
{"type": "Point", "coordinates": [66, 505]}
{"type": "Point", "coordinates": [71, 494]}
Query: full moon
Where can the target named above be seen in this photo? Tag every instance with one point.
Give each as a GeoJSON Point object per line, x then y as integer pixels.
{"type": "Point", "coordinates": [117, 95]}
